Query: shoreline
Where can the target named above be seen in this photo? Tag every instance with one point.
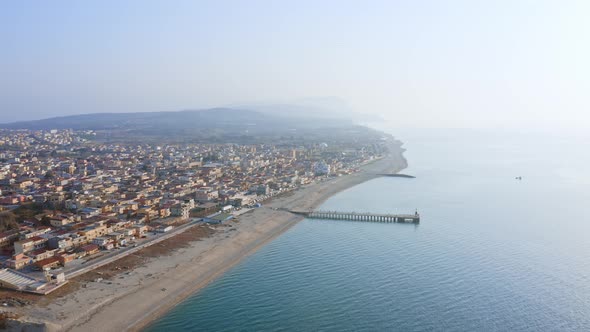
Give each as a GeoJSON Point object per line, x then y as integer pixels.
{"type": "Point", "coordinates": [141, 296]}
{"type": "Point", "coordinates": [150, 317]}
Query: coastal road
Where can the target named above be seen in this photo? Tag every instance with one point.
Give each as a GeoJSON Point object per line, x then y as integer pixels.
{"type": "Point", "coordinates": [113, 256]}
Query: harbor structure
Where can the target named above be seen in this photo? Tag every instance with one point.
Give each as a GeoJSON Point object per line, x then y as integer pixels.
{"type": "Point", "coordinates": [362, 216]}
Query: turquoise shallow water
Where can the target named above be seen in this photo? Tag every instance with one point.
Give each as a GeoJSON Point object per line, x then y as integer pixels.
{"type": "Point", "coordinates": [491, 254]}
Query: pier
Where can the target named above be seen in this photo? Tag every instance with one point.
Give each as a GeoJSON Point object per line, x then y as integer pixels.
{"type": "Point", "coordinates": [356, 216]}
{"type": "Point", "coordinates": [397, 175]}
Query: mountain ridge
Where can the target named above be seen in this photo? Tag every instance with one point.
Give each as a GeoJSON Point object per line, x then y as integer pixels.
{"type": "Point", "coordinates": [101, 121]}
{"type": "Point", "coordinates": [216, 125]}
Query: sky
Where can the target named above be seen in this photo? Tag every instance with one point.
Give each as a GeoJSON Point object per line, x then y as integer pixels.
{"type": "Point", "coordinates": [418, 63]}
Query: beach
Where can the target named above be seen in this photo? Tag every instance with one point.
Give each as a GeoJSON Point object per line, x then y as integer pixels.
{"type": "Point", "coordinates": [133, 299]}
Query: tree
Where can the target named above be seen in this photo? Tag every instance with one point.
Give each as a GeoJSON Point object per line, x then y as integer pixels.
{"type": "Point", "coordinates": [7, 221]}
{"type": "Point", "coordinates": [46, 221]}
{"type": "Point", "coordinates": [28, 211]}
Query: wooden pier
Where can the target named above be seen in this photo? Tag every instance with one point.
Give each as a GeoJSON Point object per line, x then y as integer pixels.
{"type": "Point", "coordinates": [356, 216]}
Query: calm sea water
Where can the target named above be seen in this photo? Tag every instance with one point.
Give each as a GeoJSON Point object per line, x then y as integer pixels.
{"type": "Point", "coordinates": [491, 254]}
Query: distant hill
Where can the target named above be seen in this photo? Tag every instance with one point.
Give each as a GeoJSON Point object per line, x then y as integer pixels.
{"type": "Point", "coordinates": [143, 120]}
{"type": "Point", "coordinates": [188, 119]}
{"type": "Point", "coordinates": [314, 108]}
{"type": "Point", "coordinates": [311, 108]}
{"type": "Point", "coordinates": [216, 125]}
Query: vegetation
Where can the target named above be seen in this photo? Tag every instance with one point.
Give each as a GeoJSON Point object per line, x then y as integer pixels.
{"type": "Point", "coordinates": [28, 211]}
{"type": "Point", "coordinates": [8, 221]}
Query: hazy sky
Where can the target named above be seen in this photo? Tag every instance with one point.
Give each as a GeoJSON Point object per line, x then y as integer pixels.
{"type": "Point", "coordinates": [421, 63]}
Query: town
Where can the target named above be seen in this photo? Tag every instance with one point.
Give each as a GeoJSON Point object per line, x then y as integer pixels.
{"type": "Point", "coordinates": [71, 200]}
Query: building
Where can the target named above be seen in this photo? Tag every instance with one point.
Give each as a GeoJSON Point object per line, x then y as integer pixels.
{"type": "Point", "coordinates": [60, 242]}
{"type": "Point", "coordinates": [8, 237]}
{"type": "Point", "coordinates": [65, 258]}
{"type": "Point", "coordinates": [180, 210]}
{"type": "Point", "coordinates": [100, 241]}
{"type": "Point", "coordinates": [262, 190]}
{"type": "Point", "coordinates": [89, 249]}
{"type": "Point", "coordinates": [321, 168]}
{"type": "Point", "coordinates": [19, 261]}
{"type": "Point", "coordinates": [41, 254]}
{"type": "Point", "coordinates": [205, 194]}
{"type": "Point", "coordinates": [60, 221]}
{"type": "Point", "coordinates": [164, 229]}
{"type": "Point", "coordinates": [19, 281]}
{"type": "Point", "coordinates": [25, 246]}
{"type": "Point", "coordinates": [48, 263]}
{"type": "Point", "coordinates": [218, 218]}
{"type": "Point", "coordinates": [139, 230]}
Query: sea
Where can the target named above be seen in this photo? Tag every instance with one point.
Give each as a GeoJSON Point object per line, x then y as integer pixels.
{"type": "Point", "coordinates": [491, 253]}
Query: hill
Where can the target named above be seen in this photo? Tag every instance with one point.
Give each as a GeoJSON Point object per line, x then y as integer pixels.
{"type": "Point", "coordinates": [146, 120]}
{"type": "Point", "coordinates": [211, 125]}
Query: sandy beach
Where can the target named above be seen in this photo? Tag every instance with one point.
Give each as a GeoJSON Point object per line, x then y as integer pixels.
{"type": "Point", "coordinates": [135, 298]}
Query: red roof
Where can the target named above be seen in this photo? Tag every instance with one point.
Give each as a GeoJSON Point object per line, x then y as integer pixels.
{"type": "Point", "coordinates": [90, 247]}
{"type": "Point", "coordinates": [47, 261]}
{"type": "Point", "coordinates": [33, 239]}
{"type": "Point", "coordinates": [37, 252]}
{"type": "Point", "coordinates": [9, 233]}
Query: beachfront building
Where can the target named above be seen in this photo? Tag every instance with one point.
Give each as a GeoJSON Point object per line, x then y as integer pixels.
{"type": "Point", "coordinates": [181, 210]}
{"type": "Point", "coordinates": [205, 194]}
{"type": "Point", "coordinates": [47, 263]}
{"type": "Point", "coordinates": [218, 218]}
{"type": "Point", "coordinates": [163, 229]}
{"type": "Point", "coordinates": [18, 261]}
{"type": "Point", "coordinates": [19, 281]}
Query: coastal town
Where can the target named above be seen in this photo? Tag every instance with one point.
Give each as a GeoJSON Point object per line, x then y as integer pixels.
{"type": "Point", "coordinates": [71, 201]}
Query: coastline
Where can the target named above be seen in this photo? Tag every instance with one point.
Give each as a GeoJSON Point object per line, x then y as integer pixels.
{"type": "Point", "coordinates": [146, 293]}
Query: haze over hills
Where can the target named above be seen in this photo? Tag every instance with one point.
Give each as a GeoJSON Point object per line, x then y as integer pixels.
{"type": "Point", "coordinates": [208, 125]}
{"type": "Point", "coordinates": [319, 107]}
{"type": "Point", "coordinates": [186, 119]}
{"type": "Point", "coordinates": [303, 112]}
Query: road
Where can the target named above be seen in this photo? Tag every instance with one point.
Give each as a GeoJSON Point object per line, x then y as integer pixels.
{"type": "Point", "coordinates": [113, 256]}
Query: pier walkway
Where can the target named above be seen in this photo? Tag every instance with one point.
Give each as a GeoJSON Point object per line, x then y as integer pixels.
{"type": "Point", "coordinates": [356, 216]}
